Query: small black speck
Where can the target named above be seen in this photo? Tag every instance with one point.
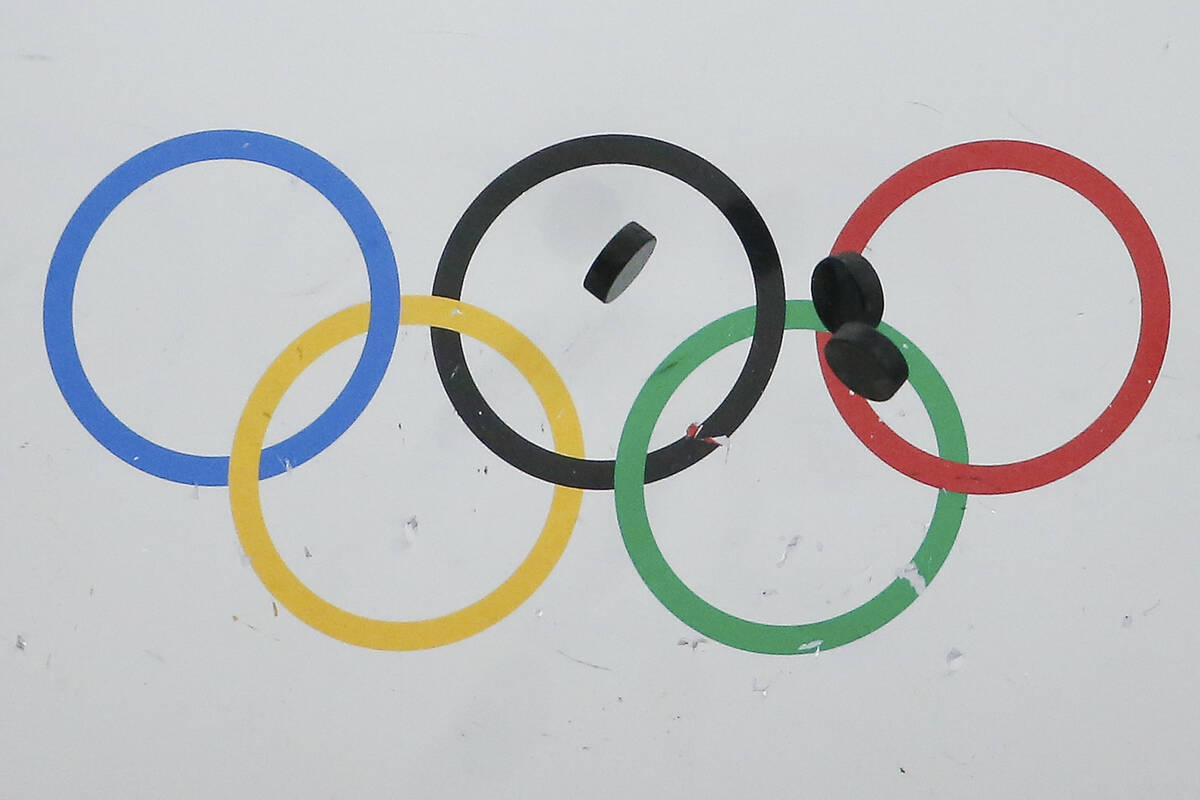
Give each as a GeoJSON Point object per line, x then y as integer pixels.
{"type": "Point", "coordinates": [902, 772]}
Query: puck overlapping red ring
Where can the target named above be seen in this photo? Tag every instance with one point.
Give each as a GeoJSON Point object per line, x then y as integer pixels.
{"type": "Point", "coordinates": [670, 159]}
{"type": "Point", "coordinates": [1135, 233]}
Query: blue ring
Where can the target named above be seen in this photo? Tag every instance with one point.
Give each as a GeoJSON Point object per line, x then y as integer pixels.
{"type": "Point", "coordinates": [59, 327]}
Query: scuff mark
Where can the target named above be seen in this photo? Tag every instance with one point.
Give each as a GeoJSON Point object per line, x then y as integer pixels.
{"type": "Point", "coordinates": [788, 548]}
{"type": "Point", "coordinates": [581, 661]}
{"type": "Point", "coordinates": [21, 643]}
{"type": "Point", "coordinates": [307, 552]}
{"type": "Point", "coordinates": [955, 660]}
{"type": "Point", "coordinates": [813, 647]}
{"type": "Point", "coordinates": [911, 574]}
{"type": "Point", "coordinates": [409, 532]}
{"type": "Point", "coordinates": [692, 643]}
{"type": "Point", "coordinates": [754, 687]}
{"type": "Point", "coordinates": [157, 657]}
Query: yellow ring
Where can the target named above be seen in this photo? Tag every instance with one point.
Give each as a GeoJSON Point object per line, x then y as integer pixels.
{"type": "Point", "coordinates": [282, 583]}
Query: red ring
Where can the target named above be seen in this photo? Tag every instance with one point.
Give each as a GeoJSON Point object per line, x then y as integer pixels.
{"type": "Point", "coordinates": [1152, 338]}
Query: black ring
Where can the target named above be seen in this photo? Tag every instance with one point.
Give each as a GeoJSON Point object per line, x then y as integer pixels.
{"type": "Point", "coordinates": [748, 224]}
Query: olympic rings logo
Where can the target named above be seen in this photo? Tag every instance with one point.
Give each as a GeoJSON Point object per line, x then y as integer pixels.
{"type": "Point", "coordinates": [565, 467]}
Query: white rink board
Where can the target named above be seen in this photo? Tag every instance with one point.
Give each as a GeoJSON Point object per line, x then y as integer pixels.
{"type": "Point", "coordinates": [143, 657]}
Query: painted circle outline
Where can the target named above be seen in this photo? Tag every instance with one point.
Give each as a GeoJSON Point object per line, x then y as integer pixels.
{"type": "Point", "coordinates": [58, 304]}
{"type": "Point", "coordinates": [719, 625]}
{"type": "Point", "coordinates": [623, 149]}
{"type": "Point", "coordinates": [1143, 249]}
{"type": "Point", "coordinates": [352, 628]}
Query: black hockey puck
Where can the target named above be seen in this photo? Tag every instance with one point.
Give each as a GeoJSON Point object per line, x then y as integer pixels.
{"type": "Point", "coordinates": [866, 361]}
{"type": "Point", "coordinates": [846, 288]}
{"type": "Point", "coordinates": [619, 262]}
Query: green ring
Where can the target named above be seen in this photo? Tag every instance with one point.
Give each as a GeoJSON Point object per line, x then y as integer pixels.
{"type": "Point", "coordinates": [712, 622]}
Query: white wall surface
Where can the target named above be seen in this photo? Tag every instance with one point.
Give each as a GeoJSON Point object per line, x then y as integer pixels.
{"type": "Point", "coordinates": [140, 654]}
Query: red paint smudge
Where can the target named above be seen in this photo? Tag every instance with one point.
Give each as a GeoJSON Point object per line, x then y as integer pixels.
{"type": "Point", "coordinates": [693, 432]}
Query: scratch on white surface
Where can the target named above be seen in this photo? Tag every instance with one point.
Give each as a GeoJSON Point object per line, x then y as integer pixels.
{"type": "Point", "coordinates": [307, 552]}
{"type": "Point", "coordinates": [923, 105]}
{"type": "Point", "coordinates": [157, 657]}
{"type": "Point", "coordinates": [442, 32]}
{"type": "Point", "coordinates": [581, 661]}
{"type": "Point", "coordinates": [1146, 611]}
{"type": "Point", "coordinates": [308, 292]}
{"type": "Point", "coordinates": [754, 687]}
{"type": "Point", "coordinates": [195, 491]}
{"type": "Point", "coordinates": [692, 643]}
{"type": "Point", "coordinates": [955, 659]}
{"type": "Point", "coordinates": [251, 627]}
{"type": "Point", "coordinates": [1025, 127]}
{"type": "Point", "coordinates": [813, 647]}
{"type": "Point", "coordinates": [911, 574]}
{"type": "Point", "coordinates": [21, 643]}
